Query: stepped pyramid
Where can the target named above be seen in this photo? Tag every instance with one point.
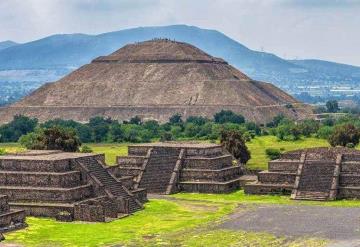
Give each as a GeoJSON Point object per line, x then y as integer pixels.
{"type": "Point", "coordinates": [170, 167]}
{"type": "Point", "coordinates": [154, 80]}
{"type": "Point", "coordinates": [68, 186]}
{"type": "Point", "coordinates": [312, 174]}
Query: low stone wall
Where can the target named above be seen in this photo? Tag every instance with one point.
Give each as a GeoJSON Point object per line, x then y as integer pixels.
{"type": "Point", "coordinates": [11, 218]}
{"type": "Point", "coordinates": [350, 167]}
{"type": "Point", "coordinates": [209, 187]}
{"type": "Point", "coordinates": [222, 175]}
{"type": "Point", "coordinates": [140, 194]}
{"type": "Point", "coordinates": [35, 165]}
{"type": "Point", "coordinates": [65, 180]}
{"type": "Point", "coordinates": [47, 195]}
{"type": "Point", "coordinates": [42, 210]}
{"type": "Point", "coordinates": [276, 177]}
{"type": "Point", "coordinates": [261, 189]}
{"type": "Point", "coordinates": [133, 161]}
{"type": "Point", "coordinates": [208, 163]}
{"type": "Point", "coordinates": [348, 193]}
{"type": "Point", "coordinates": [349, 180]}
{"type": "Point", "coordinates": [283, 166]}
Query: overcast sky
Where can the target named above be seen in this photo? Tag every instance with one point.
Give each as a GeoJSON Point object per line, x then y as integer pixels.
{"type": "Point", "coordinates": [324, 29]}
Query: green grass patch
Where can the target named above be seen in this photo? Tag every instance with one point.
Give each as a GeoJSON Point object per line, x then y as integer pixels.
{"type": "Point", "coordinates": [159, 217]}
{"type": "Point", "coordinates": [258, 145]}
{"type": "Point", "coordinates": [111, 150]}
{"type": "Point", "coordinates": [241, 198]}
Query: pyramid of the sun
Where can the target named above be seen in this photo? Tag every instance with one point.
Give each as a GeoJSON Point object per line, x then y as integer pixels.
{"type": "Point", "coordinates": [154, 80]}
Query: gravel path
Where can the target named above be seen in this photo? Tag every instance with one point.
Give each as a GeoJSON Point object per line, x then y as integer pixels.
{"type": "Point", "coordinates": [340, 224]}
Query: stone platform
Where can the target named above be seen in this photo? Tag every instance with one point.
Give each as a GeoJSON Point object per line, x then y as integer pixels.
{"type": "Point", "coordinates": [68, 186]}
{"type": "Point", "coordinates": [170, 167]}
{"type": "Point", "coordinates": [312, 174]}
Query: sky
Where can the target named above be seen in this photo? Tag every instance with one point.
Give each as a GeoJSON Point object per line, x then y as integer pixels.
{"type": "Point", "coordinates": [292, 29]}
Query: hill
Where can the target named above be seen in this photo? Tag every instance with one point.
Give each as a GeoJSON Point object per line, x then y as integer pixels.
{"type": "Point", "coordinates": [154, 80]}
{"type": "Point", "coordinates": [7, 44]}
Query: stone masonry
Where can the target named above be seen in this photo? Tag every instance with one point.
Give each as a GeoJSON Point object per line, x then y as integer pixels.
{"type": "Point", "coordinates": [68, 186]}
{"type": "Point", "coordinates": [312, 174]}
{"type": "Point", "coordinates": [165, 168]}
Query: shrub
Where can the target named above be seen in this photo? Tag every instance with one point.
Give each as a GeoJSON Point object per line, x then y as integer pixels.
{"type": "Point", "coordinates": [350, 145]}
{"type": "Point", "coordinates": [324, 132]}
{"type": "Point", "coordinates": [54, 138]}
{"type": "Point", "coordinates": [234, 143]}
{"type": "Point", "coordinates": [166, 136]}
{"type": "Point", "coordinates": [86, 149]}
{"type": "Point", "coordinates": [2, 151]}
{"type": "Point", "coordinates": [273, 153]}
{"type": "Point", "coordinates": [176, 119]}
{"type": "Point", "coordinates": [344, 134]}
{"type": "Point", "coordinates": [228, 117]}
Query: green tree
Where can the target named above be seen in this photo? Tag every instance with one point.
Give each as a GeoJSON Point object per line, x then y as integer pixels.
{"type": "Point", "coordinates": [234, 143]}
{"type": "Point", "coordinates": [343, 135]}
{"type": "Point", "coordinates": [176, 119]}
{"type": "Point", "coordinates": [19, 126]}
{"type": "Point", "coordinates": [332, 106]}
{"type": "Point", "coordinates": [225, 116]}
{"type": "Point", "coordinates": [135, 120]}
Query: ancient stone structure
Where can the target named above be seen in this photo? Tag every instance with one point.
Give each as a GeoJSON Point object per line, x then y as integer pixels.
{"type": "Point", "coordinates": [10, 219]}
{"type": "Point", "coordinates": [312, 174]}
{"type": "Point", "coordinates": [154, 80]}
{"type": "Point", "coordinates": [68, 186]}
{"type": "Point", "coordinates": [166, 168]}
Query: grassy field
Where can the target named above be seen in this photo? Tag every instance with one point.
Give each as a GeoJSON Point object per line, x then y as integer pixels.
{"type": "Point", "coordinates": [257, 147]}
{"type": "Point", "coordinates": [183, 221]}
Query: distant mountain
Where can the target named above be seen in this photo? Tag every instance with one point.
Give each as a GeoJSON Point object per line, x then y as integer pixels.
{"type": "Point", "coordinates": [7, 44]}
{"type": "Point", "coordinates": [69, 51]}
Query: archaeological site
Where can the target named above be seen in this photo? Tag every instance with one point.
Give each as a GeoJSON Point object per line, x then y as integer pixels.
{"type": "Point", "coordinates": [153, 80]}
{"type": "Point", "coordinates": [66, 186]}
{"type": "Point", "coordinates": [312, 174]}
{"type": "Point", "coordinates": [166, 168]}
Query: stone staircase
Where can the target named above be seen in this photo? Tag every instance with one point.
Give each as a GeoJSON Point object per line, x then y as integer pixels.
{"type": "Point", "coordinates": [158, 171]}
{"type": "Point", "coordinates": [110, 183]}
{"type": "Point", "coordinates": [315, 180]}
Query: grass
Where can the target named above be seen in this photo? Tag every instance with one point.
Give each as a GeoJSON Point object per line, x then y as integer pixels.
{"type": "Point", "coordinates": [258, 145]}
{"type": "Point", "coordinates": [163, 223]}
{"type": "Point", "coordinates": [242, 198]}
{"type": "Point", "coordinates": [110, 150]}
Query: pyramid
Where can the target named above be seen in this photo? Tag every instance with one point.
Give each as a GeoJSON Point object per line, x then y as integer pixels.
{"type": "Point", "coordinates": [154, 80]}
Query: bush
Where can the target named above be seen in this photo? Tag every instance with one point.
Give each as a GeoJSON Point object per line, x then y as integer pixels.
{"type": "Point", "coordinates": [2, 151]}
{"type": "Point", "coordinates": [228, 117]}
{"type": "Point", "coordinates": [344, 134]}
{"type": "Point", "coordinates": [176, 119]}
{"type": "Point", "coordinates": [54, 138]}
{"type": "Point", "coordinates": [234, 143]}
{"type": "Point", "coordinates": [350, 145]}
{"type": "Point", "coordinates": [273, 153]}
{"type": "Point", "coordinates": [86, 149]}
{"type": "Point", "coordinates": [324, 132]}
{"type": "Point", "coordinates": [166, 136]}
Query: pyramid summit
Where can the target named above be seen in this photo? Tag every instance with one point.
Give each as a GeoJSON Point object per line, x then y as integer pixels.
{"type": "Point", "coordinates": [154, 80]}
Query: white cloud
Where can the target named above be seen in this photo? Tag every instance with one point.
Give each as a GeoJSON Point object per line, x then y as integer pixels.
{"type": "Point", "coordinates": [326, 29]}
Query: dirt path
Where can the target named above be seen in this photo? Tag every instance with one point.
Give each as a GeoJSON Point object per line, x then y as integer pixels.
{"type": "Point", "coordinates": [335, 223]}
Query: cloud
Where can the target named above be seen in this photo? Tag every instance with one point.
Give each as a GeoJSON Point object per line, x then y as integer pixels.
{"type": "Point", "coordinates": [325, 29]}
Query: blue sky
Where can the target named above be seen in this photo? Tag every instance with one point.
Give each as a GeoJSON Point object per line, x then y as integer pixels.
{"type": "Point", "coordinates": [325, 29]}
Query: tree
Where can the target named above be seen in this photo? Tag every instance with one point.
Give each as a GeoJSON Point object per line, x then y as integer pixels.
{"type": "Point", "coordinates": [225, 116]}
{"type": "Point", "coordinates": [344, 134]}
{"type": "Point", "coordinates": [176, 119]}
{"type": "Point", "coordinates": [198, 120]}
{"type": "Point", "coordinates": [116, 133]}
{"type": "Point", "coordinates": [234, 143]}
{"type": "Point", "coordinates": [53, 138]}
{"type": "Point", "coordinates": [135, 120]}
{"type": "Point", "coordinates": [19, 126]}
{"type": "Point", "coordinates": [332, 106]}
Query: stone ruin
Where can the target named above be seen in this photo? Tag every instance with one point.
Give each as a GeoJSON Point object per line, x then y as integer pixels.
{"type": "Point", "coordinates": [166, 168]}
{"type": "Point", "coordinates": [67, 186]}
{"type": "Point", "coordinates": [312, 174]}
{"type": "Point", "coordinates": [10, 219]}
